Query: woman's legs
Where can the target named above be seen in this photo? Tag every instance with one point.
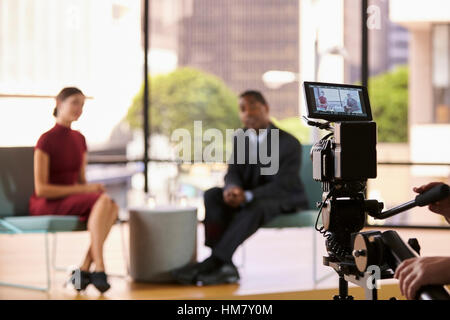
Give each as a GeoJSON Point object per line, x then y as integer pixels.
{"type": "Point", "coordinates": [102, 217]}
{"type": "Point", "coordinates": [88, 258]}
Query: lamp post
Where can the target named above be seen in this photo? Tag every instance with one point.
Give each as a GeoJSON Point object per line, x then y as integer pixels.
{"type": "Point", "coordinates": [146, 95]}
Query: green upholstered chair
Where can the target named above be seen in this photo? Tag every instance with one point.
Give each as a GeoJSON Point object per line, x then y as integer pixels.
{"type": "Point", "coordinates": [303, 218]}
{"type": "Point", "coordinates": [16, 187]}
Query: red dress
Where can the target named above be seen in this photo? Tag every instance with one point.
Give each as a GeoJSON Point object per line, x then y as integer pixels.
{"type": "Point", "coordinates": [65, 148]}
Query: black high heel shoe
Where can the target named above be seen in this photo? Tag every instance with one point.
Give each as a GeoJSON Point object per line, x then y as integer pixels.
{"type": "Point", "coordinates": [100, 281]}
{"type": "Point", "coordinates": [80, 279]}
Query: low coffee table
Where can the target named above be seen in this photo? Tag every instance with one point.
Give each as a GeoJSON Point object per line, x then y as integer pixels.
{"type": "Point", "coordinates": [161, 239]}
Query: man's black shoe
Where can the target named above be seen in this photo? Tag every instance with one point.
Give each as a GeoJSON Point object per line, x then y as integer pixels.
{"type": "Point", "coordinates": [227, 273]}
{"type": "Point", "coordinates": [189, 273]}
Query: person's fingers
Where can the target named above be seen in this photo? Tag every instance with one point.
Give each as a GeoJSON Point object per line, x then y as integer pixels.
{"type": "Point", "coordinates": [413, 287]}
{"type": "Point", "coordinates": [434, 208]}
{"type": "Point", "coordinates": [431, 185]}
{"type": "Point", "coordinates": [426, 187]}
{"type": "Point", "coordinates": [399, 269]}
{"type": "Point", "coordinates": [420, 189]}
{"type": "Point", "coordinates": [403, 274]}
{"type": "Point", "coordinates": [406, 283]}
{"type": "Point", "coordinates": [400, 284]}
{"type": "Point", "coordinates": [402, 266]}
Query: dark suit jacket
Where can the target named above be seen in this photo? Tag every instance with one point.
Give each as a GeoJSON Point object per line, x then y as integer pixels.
{"type": "Point", "coordinates": [283, 186]}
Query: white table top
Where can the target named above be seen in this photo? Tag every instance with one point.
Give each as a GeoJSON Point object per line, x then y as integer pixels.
{"type": "Point", "coordinates": [162, 209]}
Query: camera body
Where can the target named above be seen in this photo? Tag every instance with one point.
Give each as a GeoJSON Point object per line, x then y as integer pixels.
{"type": "Point", "coordinates": [350, 156]}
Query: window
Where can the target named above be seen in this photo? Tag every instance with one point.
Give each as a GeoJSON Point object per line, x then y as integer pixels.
{"type": "Point", "coordinates": [441, 73]}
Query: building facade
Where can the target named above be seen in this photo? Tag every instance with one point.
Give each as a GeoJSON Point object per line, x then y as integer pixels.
{"type": "Point", "coordinates": [240, 40]}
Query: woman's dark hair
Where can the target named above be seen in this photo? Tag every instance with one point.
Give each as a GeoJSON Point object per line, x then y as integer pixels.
{"type": "Point", "coordinates": [63, 95]}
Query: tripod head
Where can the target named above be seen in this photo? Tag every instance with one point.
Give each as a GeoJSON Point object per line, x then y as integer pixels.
{"type": "Point", "coordinates": [354, 254]}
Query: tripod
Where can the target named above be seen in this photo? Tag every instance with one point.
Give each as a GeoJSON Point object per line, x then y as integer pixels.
{"type": "Point", "coordinates": [364, 258]}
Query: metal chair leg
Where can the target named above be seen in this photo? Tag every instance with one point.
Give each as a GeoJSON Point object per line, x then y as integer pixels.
{"type": "Point", "coordinates": [54, 246]}
{"type": "Point", "coordinates": [47, 267]}
{"type": "Point", "coordinates": [47, 261]}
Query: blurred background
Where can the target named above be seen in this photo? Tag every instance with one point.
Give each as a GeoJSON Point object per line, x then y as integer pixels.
{"type": "Point", "coordinates": [202, 54]}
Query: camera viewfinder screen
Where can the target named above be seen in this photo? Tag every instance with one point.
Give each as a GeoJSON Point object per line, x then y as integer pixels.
{"type": "Point", "coordinates": [327, 101]}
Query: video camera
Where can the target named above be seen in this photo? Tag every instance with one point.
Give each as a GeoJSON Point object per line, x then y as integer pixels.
{"type": "Point", "coordinates": [343, 160]}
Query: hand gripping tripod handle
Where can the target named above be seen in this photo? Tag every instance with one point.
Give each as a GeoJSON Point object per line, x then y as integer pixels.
{"type": "Point", "coordinates": [436, 193]}
{"type": "Point", "coordinates": [400, 251]}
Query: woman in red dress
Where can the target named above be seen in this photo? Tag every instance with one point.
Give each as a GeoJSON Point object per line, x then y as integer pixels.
{"type": "Point", "coordinates": [323, 104]}
{"type": "Point", "coordinates": [61, 188]}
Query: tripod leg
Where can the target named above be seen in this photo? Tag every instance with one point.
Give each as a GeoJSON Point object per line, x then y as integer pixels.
{"type": "Point", "coordinates": [343, 289]}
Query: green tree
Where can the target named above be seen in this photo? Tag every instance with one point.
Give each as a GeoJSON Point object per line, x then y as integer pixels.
{"type": "Point", "coordinates": [184, 96]}
{"type": "Point", "coordinates": [389, 101]}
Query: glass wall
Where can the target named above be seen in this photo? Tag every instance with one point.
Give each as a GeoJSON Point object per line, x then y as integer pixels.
{"type": "Point", "coordinates": [441, 73]}
{"type": "Point", "coordinates": [207, 52]}
{"type": "Point", "coordinates": [203, 53]}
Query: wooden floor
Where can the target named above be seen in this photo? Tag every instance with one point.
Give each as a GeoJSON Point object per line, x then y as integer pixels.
{"type": "Point", "coordinates": [278, 266]}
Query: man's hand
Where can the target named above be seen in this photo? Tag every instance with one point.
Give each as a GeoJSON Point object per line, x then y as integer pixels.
{"type": "Point", "coordinates": [234, 196]}
{"type": "Point", "coordinates": [416, 272]}
{"type": "Point", "coordinates": [441, 207]}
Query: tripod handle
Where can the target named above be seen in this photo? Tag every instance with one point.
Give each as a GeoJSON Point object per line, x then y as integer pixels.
{"type": "Point", "coordinates": [400, 251]}
{"type": "Point", "coordinates": [436, 193]}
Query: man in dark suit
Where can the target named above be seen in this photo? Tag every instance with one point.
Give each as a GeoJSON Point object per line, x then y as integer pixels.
{"type": "Point", "coordinates": [255, 191]}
